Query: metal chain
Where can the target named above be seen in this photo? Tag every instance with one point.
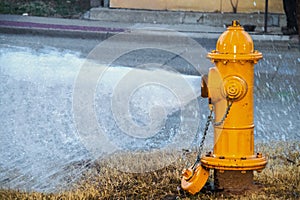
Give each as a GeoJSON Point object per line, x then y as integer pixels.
{"type": "Point", "coordinates": [209, 120]}
{"type": "Point", "coordinates": [225, 115]}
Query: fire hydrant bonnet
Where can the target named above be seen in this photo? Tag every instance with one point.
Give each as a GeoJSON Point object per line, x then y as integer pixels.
{"type": "Point", "coordinates": [235, 43]}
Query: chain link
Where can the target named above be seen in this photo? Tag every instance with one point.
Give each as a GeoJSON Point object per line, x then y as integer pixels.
{"type": "Point", "coordinates": [229, 104]}
{"type": "Point", "coordinates": [209, 120]}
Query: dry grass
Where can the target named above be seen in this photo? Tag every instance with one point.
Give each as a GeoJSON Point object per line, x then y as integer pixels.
{"type": "Point", "coordinates": [280, 180]}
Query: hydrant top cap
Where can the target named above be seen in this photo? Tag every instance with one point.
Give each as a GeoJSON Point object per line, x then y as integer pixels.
{"type": "Point", "coordinates": [235, 41]}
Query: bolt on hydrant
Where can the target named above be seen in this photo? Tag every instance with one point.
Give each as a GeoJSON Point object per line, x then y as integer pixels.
{"type": "Point", "coordinates": [229, 88]}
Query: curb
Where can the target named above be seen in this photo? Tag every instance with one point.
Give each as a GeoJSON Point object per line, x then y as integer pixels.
{"type": "Point", "coordinates": [57, 27]}
{"type": "Point", "coordinates": [56, 33]}
{"type": "Point", "coordinates": [57, 30]}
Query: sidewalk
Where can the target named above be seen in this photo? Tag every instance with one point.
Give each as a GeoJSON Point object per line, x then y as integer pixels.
{"type": "Point", "coordinates": [103, 23]}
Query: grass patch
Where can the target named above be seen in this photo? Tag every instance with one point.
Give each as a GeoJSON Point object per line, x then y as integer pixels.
{"type": "Point", "coordinates": [45, 8]}
{"type": "Point", "coordinates": [280, 180]}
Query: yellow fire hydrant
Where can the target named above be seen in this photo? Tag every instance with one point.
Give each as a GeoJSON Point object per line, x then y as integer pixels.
{"type": "Point", "coordinates": [230, 92]}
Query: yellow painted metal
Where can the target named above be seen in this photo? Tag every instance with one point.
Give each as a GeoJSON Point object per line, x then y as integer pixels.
{"type": "Point", "coordinates": [233, 79]}
{"type": "Point", "coordinates": [193, 180]}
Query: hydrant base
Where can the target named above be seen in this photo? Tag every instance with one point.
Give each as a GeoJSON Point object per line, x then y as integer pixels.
{"type": "Point", "coordinates": [233, 181]}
